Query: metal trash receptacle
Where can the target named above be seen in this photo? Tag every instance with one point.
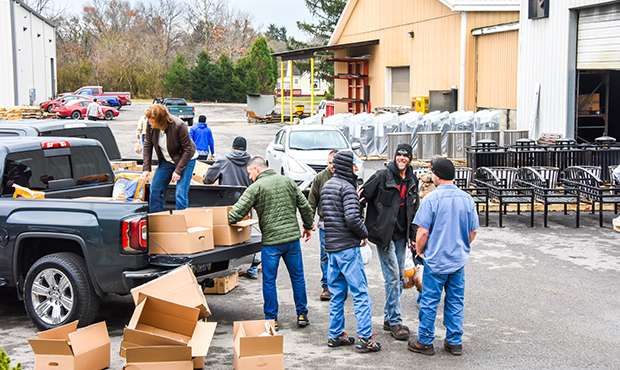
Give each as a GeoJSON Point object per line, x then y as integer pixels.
{"type": "Point", "coordinates": [511, 136]}
{"type": "Point", "coordinates": [457, 143]}
{"type": "Point", "coordinates": [394, 139]}
{"type": "Point", "coordinates": [429, 144]}
{"type": "Point", "coordinates": [490, 134]}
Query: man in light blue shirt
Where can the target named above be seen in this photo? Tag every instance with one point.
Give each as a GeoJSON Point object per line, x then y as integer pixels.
{"type": "Point", "coordinates": [447, 224]}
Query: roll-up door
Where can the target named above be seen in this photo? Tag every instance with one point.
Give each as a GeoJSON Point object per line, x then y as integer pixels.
{"type": "Point", "coordinates": [598, 38]}
{"type": "Point", "coordinates": [400, 86]}
{"type": "Point", "coordinates": [496, 75]}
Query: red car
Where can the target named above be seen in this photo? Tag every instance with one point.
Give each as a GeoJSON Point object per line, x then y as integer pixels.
{"type": "Point", "coordinates": [48, 105]}
{"type": "Point", "coordinates": [76, 109]}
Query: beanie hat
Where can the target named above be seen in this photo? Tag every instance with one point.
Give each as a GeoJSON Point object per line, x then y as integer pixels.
{"type": "Point", "coordinates": [404, 149]}
{"type": "Point", "coordinates": [444, 169]}
{"type": "Point", "coordinates": [239, 143]}
{"type": "Point", "coordinates": [202, 119]}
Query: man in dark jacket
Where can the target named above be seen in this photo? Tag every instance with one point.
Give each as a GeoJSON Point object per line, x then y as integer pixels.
{"type": "Point", "coordinates": [344, 229]}
{"type": "Point", "coordinates": [314, 198]}
{"type": "Point", "coordinates": [392, 198]}
{"type": "Point", "coordinates": [232, 169]}
{"type": "Point", "coordinates": [276, 199]}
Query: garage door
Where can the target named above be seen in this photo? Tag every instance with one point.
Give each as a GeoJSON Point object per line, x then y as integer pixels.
{"type": "Point", "coordinates": [496, 75]}
{"type": "Point", "coordinates": [598, 38]}
{"type": "Point", "coordinates": [400, 86]}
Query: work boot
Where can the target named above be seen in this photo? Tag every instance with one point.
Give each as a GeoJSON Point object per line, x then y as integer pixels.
{"type": "Point", "coordinates": [399, 331]}
{"type": "Point", "coordinates": [302, 319]}
{"type": "Point", "coordinates": [455, 349]}
{"type": "Point", "coordinates": [275, 324]}
{"type": "Point", "coordinates": [342, 340]}
{"type": "Point", "coordinates": [425, 349]}
{"type": "Point", "coordinates": [326, 296]}
{"type": "Point", "coordinates": [367, 344]}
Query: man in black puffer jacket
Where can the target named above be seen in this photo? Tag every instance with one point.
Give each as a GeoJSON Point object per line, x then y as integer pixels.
{"type": "Point", "coordinates": [344, 229]}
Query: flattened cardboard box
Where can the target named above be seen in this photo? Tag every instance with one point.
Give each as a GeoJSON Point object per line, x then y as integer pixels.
{"type": "Point", "coordinates": [69, 349]}
{"type": "Point", "coordinates": [223, 285]}
{"type": "Point", "coordinates": [171, 320]}
{"type": "Point", "coordinates": [178, 286]}
{"type": "Point", "coordinates": [194, 240]}
{"type": "Point", "coordinates": [254, 352]}
{"type": "Point", "coordinates": [159, 358]}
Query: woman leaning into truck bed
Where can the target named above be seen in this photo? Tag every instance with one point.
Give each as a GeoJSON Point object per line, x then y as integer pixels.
{"type": "Point", "coordinates": [176, 153]}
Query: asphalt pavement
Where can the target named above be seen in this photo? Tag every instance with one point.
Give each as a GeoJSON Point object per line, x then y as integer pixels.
{"type": "Point", "coordinates": [544, 298]}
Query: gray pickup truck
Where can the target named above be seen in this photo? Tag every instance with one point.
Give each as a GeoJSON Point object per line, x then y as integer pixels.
{"type": "Point", "coordinates": [178, 107]}
{"type": "Point", "coordinates": [62, 254]}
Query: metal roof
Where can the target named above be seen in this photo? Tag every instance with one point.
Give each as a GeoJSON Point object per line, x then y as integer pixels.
{"type": "Point", "coordinates": [309, 52]}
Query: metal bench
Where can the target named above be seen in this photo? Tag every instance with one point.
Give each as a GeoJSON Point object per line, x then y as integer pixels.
{"type": "Point", "coordinates": [591, 187]}
{"type": "Point", "coordinates": [544, 180]}
{"type": "Point", "coordinates": [499, 182]}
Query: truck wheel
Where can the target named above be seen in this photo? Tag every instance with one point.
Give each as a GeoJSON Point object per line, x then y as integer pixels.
{"type": "Point", "coordinates": [109, 115]}
{"type": "Point", "coordinates": [76, 114]}
{"type": "Point", "coordinates": [118, 107]}
{"type": "Point", "coordinates": [57, 291]}
{"type": "Point", "coordinates": [190, 122]}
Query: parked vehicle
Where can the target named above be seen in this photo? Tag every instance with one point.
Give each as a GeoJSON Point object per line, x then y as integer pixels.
{"type": "Point", "coordinates": [112, 101]}
{"type": "Point", "coordinates": [48, 105]}
{"type": "Point", "coordinates": [76, 109]}
{"type": "Point", "coordinates": [63, 253]}
{"type": "Point", "coordinates": [178, 107]}
{"type": "Point", "coordinates": [123, 97]}
{"type": "Point", "coordinates": [300, 152]}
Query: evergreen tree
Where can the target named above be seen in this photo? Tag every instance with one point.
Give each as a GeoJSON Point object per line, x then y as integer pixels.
{"type": "Point", "coordinates": [224, 75]}
{"type": "Point", "coordinates": [327, 12]}
{"type": "Point", "coordinates": [177, 81]}
{"type": "Point", "coordinates": [265, 65]}
{"type": "Point", "coordinates": [202, 77]}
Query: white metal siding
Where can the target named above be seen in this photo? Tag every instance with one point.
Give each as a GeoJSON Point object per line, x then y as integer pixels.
{"type": "Point", "coordinates": [6, 56]}
{"type": "Point", "coordinates": [598, 38]}
{"type": "Point", "coordinates": [24, 65]}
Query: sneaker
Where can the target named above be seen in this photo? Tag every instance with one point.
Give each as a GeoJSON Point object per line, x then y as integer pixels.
{"type": "Point", "coordinates": [326, 296]}
{"type": "Point", "coordinates": [367, 344]}
{"type": "Point", "coordinates": [302, 319]}
{"type": "Point", "coordinates": [455, 349]}
{"type": "Point", "coordinates": [399, 332]}
{"type": "Point", "coordinates": [253, 277]}
{"type": "Point", "coordinates": [342, 340]}
{"type": "Point", "coordinates": [275, 324]}
{"type": "Point", "coordinates": [388, 327]}
{"type": "Point", "coordinates": [425, 349]}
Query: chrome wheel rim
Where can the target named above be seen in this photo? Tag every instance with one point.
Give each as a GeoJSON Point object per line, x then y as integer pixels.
{"type": "Point", "coordinates": [52, 296]}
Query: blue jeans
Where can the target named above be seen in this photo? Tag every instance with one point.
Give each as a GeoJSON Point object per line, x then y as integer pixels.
{"type": "Point", "coordinates": [324, 260]}
{"type": "Point", "coordinates": [346, 272]}
{"type": "Point", "coordinates": [432, 286]}
{"type": "Point", "coordinates": [270, 258]}
{"type": "Point", "coordinates": [161, 179]}
{"type": "Point", "coordinates": [393, 267]}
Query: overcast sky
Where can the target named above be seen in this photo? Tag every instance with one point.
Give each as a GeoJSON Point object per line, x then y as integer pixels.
{"type": "Point", "coordinates": [280, 12]}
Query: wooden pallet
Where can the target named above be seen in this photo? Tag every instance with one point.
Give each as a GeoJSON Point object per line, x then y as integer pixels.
{"type": "Point", "coordinates": [12, 113]}
{"type": "Point", "coordinates": [373, 157]}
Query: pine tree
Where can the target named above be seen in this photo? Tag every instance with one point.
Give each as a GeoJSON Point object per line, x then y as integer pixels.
{"type": "Point", "coordinates": [202, 79]}
{"type": "Point", "coordinates": [177, 81]}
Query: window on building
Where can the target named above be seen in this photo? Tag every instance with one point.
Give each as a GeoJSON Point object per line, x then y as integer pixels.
{"type": "Point", "coordinates": [317, 83]}
{"type": "Point", "coordinates": [296, 81]}
{"type": "Point", "coordinates": [538, 9]}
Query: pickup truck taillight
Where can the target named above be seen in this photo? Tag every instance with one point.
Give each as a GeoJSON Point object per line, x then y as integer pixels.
{"type": "Point", "coordinates": [134, 235]}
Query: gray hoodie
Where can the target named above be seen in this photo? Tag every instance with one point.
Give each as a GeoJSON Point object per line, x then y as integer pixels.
{"type": "Point", "coordinates": [231, 170]}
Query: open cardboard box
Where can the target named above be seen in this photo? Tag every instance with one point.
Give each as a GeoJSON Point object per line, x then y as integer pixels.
{"type": "Point", "coordinates": [178, 286]}
{"type": "Point", "coordinates": [223, 285]}
{"type": "Point", "coordinates": [69, 349]}
{"type": "Point", "coordinates": [159, 358]}
{"type": "Point", "coordinates": [174, 321]}
{"type": "Point", "coordinates": [252, 351]}
{"type": "Point", "coordinates": [180, 232]}
{"type": "Point", "coordinates": [224, 234]}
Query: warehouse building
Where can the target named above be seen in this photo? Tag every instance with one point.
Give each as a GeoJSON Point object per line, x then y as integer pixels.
{"type": "Point", "coordinates": [28, 60]}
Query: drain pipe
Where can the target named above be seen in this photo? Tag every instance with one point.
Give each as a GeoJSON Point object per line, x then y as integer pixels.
{"type": "Point", "coordinates": [14, 43]}
{"type": "Point", "coordinates": [463, 56]}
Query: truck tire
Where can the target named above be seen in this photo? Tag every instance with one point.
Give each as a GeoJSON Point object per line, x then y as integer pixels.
{"type": "Point", "coordinates": [76, 114]}
{"type": "Point", "coordinates": [190, 122]}
{"type": "Point", "coordinates": [109, 115]}
{"type": "Point", "coordinates": [57, 291]}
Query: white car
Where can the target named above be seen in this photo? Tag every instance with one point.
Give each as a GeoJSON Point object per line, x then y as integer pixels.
{"type": "Point", "coordinates": [300, 152]}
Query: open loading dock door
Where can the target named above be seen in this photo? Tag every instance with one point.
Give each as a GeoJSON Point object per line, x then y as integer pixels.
{"type": "Point", "coordinates": [598, 73]}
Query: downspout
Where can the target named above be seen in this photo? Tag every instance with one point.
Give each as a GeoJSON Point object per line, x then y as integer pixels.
{"type": "Point", "coordinates": [463, 56]}
{"type": "Point", "coordinates": [14, 42]}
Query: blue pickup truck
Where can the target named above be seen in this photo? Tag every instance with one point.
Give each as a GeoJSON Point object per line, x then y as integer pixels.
{"type": "Point", "coordinates": [62, 254]}
{"type": "Point", "coordinates": [178, 107]}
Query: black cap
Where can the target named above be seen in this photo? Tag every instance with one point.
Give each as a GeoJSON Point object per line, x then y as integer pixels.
{"type": "Point", "coordinates": [404, 149]}
{"type": "Point", "coordinates": [239, 143]}
{"type": "Point", "coordinates": [444, 169]}
{"type": "Point", "coordinates": [202, 118]}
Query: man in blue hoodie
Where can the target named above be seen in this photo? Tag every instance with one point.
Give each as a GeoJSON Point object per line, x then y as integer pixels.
{"type": "Point", "coordinates": [203, 138]}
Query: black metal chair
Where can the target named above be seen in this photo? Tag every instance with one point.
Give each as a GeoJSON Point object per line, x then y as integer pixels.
{"type": "Point", "coordinates": [463, 180]}
{"type": "Point", "coordinates": [499, 182]}
{"type": "Point", "coordinates": [544, 180]}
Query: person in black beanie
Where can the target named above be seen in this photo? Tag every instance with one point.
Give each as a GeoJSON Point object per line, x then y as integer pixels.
{"type": "Point", "coordinates": [391, 195]}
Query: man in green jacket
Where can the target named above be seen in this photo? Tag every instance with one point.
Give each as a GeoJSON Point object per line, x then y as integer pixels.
{"type": "Point", "coordinates": [276, 199]}
{"type": "Point", "coordinates": [314, 198]}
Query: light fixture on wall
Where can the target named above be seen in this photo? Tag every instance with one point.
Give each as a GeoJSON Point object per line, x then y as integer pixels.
{"type": "Point", "coordinates": [410, 33]}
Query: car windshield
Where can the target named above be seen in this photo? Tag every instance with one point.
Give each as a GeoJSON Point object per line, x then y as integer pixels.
{"type": "Point", "coordinates": [317, 140]}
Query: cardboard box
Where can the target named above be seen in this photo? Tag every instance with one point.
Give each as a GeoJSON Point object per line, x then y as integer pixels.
{"type": "Point", "coordinates": [136, 339]}
{"type": "Point", "coordinates": [593, 105]}
{"type": "Point", "coordinates": [199, 171]}
{"type": "Point", "coordinates": [159, 317]}
{"type": "Point", "coordinates": [178, 286]}
{"type": "Point", "coordinates": [159, 358]}
{"type": "Point", "coordinates": [224, 234]}
{"type": "Point", "coordinates": [194, 240]}
{"type": "Point", "coordinates": [69, 349]}
{"type": "Point", "coordinates": [180, 221]}
{"type": "Point", "coordinates": [124, 165]}
{"type": "Point", "coordinates": [223, 285]}
{"type": "Point", "coordinates": [252, 351]}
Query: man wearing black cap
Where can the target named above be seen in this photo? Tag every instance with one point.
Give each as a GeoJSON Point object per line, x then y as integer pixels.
{"type": "Point", "coordinates": [447, 222]}
{"type": "Point", "coordinates": [203, 138]}
{"type": "Point", "coordinates": [392, 198]}
{"type": "Point", "coordinates": [232, 169]}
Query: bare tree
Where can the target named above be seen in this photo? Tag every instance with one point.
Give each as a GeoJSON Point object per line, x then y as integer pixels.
{"type": "Point", "coordinates": [206, 11]}
{"type": "Point", "coordinates": [50, 9]}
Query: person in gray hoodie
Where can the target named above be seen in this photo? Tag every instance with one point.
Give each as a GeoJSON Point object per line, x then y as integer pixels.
{"type": "Point", "coordinates": [231, 169]}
